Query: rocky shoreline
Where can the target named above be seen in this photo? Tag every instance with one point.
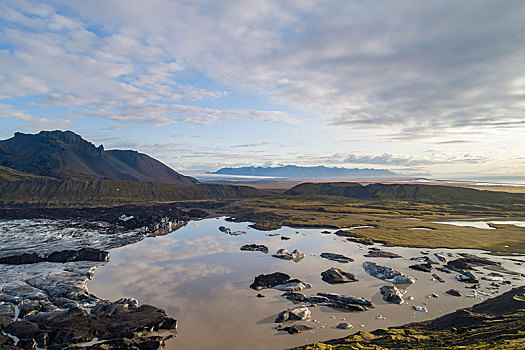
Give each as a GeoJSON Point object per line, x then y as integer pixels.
{"type": "Point", "coordinates": [44, 300]}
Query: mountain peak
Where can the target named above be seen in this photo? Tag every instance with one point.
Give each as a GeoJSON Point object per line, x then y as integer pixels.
{"type": "Point", "coordinates": [65, 154]}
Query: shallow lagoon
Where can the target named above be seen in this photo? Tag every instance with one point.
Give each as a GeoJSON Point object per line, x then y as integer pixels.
{"type": "Point", "coordinates": [200, 277]}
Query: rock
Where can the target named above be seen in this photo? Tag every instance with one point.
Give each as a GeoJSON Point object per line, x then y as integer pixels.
{"type": "Point", "coordinates": [106, 321]}
{"type": "Point", "coordinates": [341, 301]}
{"type": "Point", "coordinates": [434, 295]}
{"type": "Point", "coordinates": [392, 295]}
{"type": "Point", "coordinates": [381, 254]}
{"type": "Point", "coordinates": [195, 213]}
{"type": "Point", "coordinates": [293, 286]}
{"type": "Point", "coordinates": [422, 267]}
{"type": "Point", "coordinates": [285, 254]}
{"type": "Point", "coordinates": [336, 257]}
{"type": "Point", "coordinates": [467, 277]}
{"type": "Point", "coordinates": [83, 254]}
{"type": "Point", "coordinates": [361, 240]}
{"type": "Point", "coordinates": [294, 296]}
{"type": "Point", "coordinates": [295, 314]}
{"type": "Point", "coordinates": [63, 256]}
{"type": "Point", "coordinates": [438, 278]}
{"type": "Point", "coordinates": [284, 238]}
{"type": "Point", "coordinates": [387, 273]}
{"type": "Point", "coordinates": [260, 295]}
{"type": "Point", "coordinates": [492, 278]}
{"type": "Point", "coordinates": [225, 229]}
{"type": "Point", "coordinates": [344, 325]}
{"type": "Point", "coordinates": [269, 280]}
{"type": "Point", "coordinates": [441, 257]}
{"type": "Point", "coordinates": [454, 292]}
{"type": "Point", "coordinates": [295, 329]}
{"type": "Point", "coordinates": [326, 232]}
{"type": "Point", "coordinates": [458, 265]}
{"type": "Point", "coordinates": [443, 269]}
{"type": "Point", "coordinates": [419, 308]}
{"type": "Point", "coordinates": [335, 275]}
{"type": "Point", "coordinates": [255, 248]}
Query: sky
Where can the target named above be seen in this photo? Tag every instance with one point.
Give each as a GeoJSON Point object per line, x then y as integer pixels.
{"type": "Point", "coordinates": [417, 87]}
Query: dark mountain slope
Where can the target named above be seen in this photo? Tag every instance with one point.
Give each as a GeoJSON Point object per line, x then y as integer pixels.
{"type": "Point", "coordinates": [406, 192]}
{"type": "Point", "coordinates": [18, 189]}
{"type": "Point", "coordinates": [64, 154]}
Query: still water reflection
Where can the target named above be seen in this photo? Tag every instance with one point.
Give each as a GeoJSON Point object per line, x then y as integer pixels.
{"type": "Point", "coordinates": [201, 278]}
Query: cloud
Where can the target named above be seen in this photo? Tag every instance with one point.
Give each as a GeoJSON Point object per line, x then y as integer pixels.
{"type": "Point", "coordinates": [32, 123]}
{"type": "Point", "coordinates": [386, 159]}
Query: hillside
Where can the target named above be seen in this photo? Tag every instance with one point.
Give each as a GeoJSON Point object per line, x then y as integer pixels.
{"type": "Point", "coordinates": [19, 189]}
{"type": "Point", "coordinates": [299, 172]}
{"type": "Point", "coordinates": [66, 155]}
{"type": "Point", "coordinates": [406, 192]}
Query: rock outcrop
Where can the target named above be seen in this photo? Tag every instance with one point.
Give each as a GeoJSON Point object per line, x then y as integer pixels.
{"type": "Point", "coordinates": [334, 276]}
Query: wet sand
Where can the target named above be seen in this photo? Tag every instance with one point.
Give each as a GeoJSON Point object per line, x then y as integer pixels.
{"type": "Point", "coordinates": [201, 278]}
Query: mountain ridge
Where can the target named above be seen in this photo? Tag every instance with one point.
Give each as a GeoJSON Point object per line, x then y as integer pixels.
{"type": "Point", "coordinates": [66, 155]}
{"type": "Point", "coordinates": [301, 172]}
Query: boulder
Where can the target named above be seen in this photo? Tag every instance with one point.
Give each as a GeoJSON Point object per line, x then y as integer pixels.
{"type": "Point", "coordinates": [427, 267]}
{"type": "Point", "coordinates": [441, 257]}
{"type": "Point", "coordinates": [454, 292]}
{"type": "Point", "coordinates": [294, 329]}
{"type": "Point", "coordinates": [381, 254]}
{"type": "Point", "coordinates": [392, 295]}
{"type": "Point", "coordinates": [293, 286]}
{"type": "Point", "coordinates": [438, 278]}
{"type": "Point", "coordinates": [334, 275]}
{"type": "Point", "coordinates": [336, 257]}
{"type": "Point", "coordinates": [255, 248]}
{"type": "Point", "coordinates": [387, 273]}
{"type": "Point", "coordinates": [344, 325]}
{"type": "Point", "coordinates": [419, 308]}
{"type": "Point", "coordinates": [295, 314]}
{"type": "Point", "coordinates": [269, 281]}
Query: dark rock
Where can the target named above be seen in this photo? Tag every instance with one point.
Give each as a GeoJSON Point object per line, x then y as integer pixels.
{"type": "Point", "coordinates": [361, 240]}
{"type": "Point", "coordinates": [255, 248]}
{"type": "Point", "coordinates": [284, 238]}
{"type": "Point", "coordinates": [454, 292]}
{"type": "Point", "coordinates": [336, 257]}
{"type": "Point", "coordinates": [458, 265]}
{"type": "Point", "coordinates": [295, 329]}
{"type": "Point", "coordinates": [294, 296]}
{"type": "Point", "coordinates": [83, 254]}
{"type": "Point", "coordinates": [197, 213]}
{"type": "Point", "coordinates": [225, 229]}
{"type": "Point", "coordinates": [106, 321]}
{"type": "Point", "coordinates": [392, 295]}
{"type": "Point", "coordinates": [293, 285]}
{"type": "Point", "coordinates": [441, 257]}
{"type": "Point", "coordinates": [467, 277]}
{"type": "Point", "coordinates": [422, 267]}
{"type": "Point", "coordinates": [438, 278]}
{"type": "Point", "coordinates": [340, 301]}
{"type": "Point", "coordinates": [335, 275]}
{"type": "Point", "coordinates": [381, 254]}
{"type": "Point", "coordinates": [26, 258]}
{"type": "Point", "coordinates": [260, 295]}
{"type": "Point", "coordinates": [326, 232]}
{"type": "Point", "coordinates": [269, 280]}
{"type": "Point", "coordinates": [443, 269]}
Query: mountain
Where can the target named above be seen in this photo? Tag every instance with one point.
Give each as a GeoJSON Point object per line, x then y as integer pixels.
{"type": "Point", "coordinates": [406, 192]}
{"type": "Point", "coordinates": [20, 189]}
{"type": "Point", "coordinates": [66, 155]}
{"type": "Point", "coordinates": [299, 172]}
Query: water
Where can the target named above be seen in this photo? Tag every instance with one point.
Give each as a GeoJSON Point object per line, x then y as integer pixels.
{"type": "Point", "coordinates": [485, 224]}
{"type": "Point", "coordinates": [201, 278]}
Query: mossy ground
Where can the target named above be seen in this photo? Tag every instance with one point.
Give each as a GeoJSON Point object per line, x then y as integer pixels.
{"type": "Point", "coordinates": [392, 221]}
{"type": "Point", "coordinates": [498, 323]}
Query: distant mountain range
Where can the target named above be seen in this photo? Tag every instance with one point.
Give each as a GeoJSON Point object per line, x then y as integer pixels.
{"type": "Point", "coordinates": [66, 155]}
{"type": "Point", "coordinates": [299, 172]}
